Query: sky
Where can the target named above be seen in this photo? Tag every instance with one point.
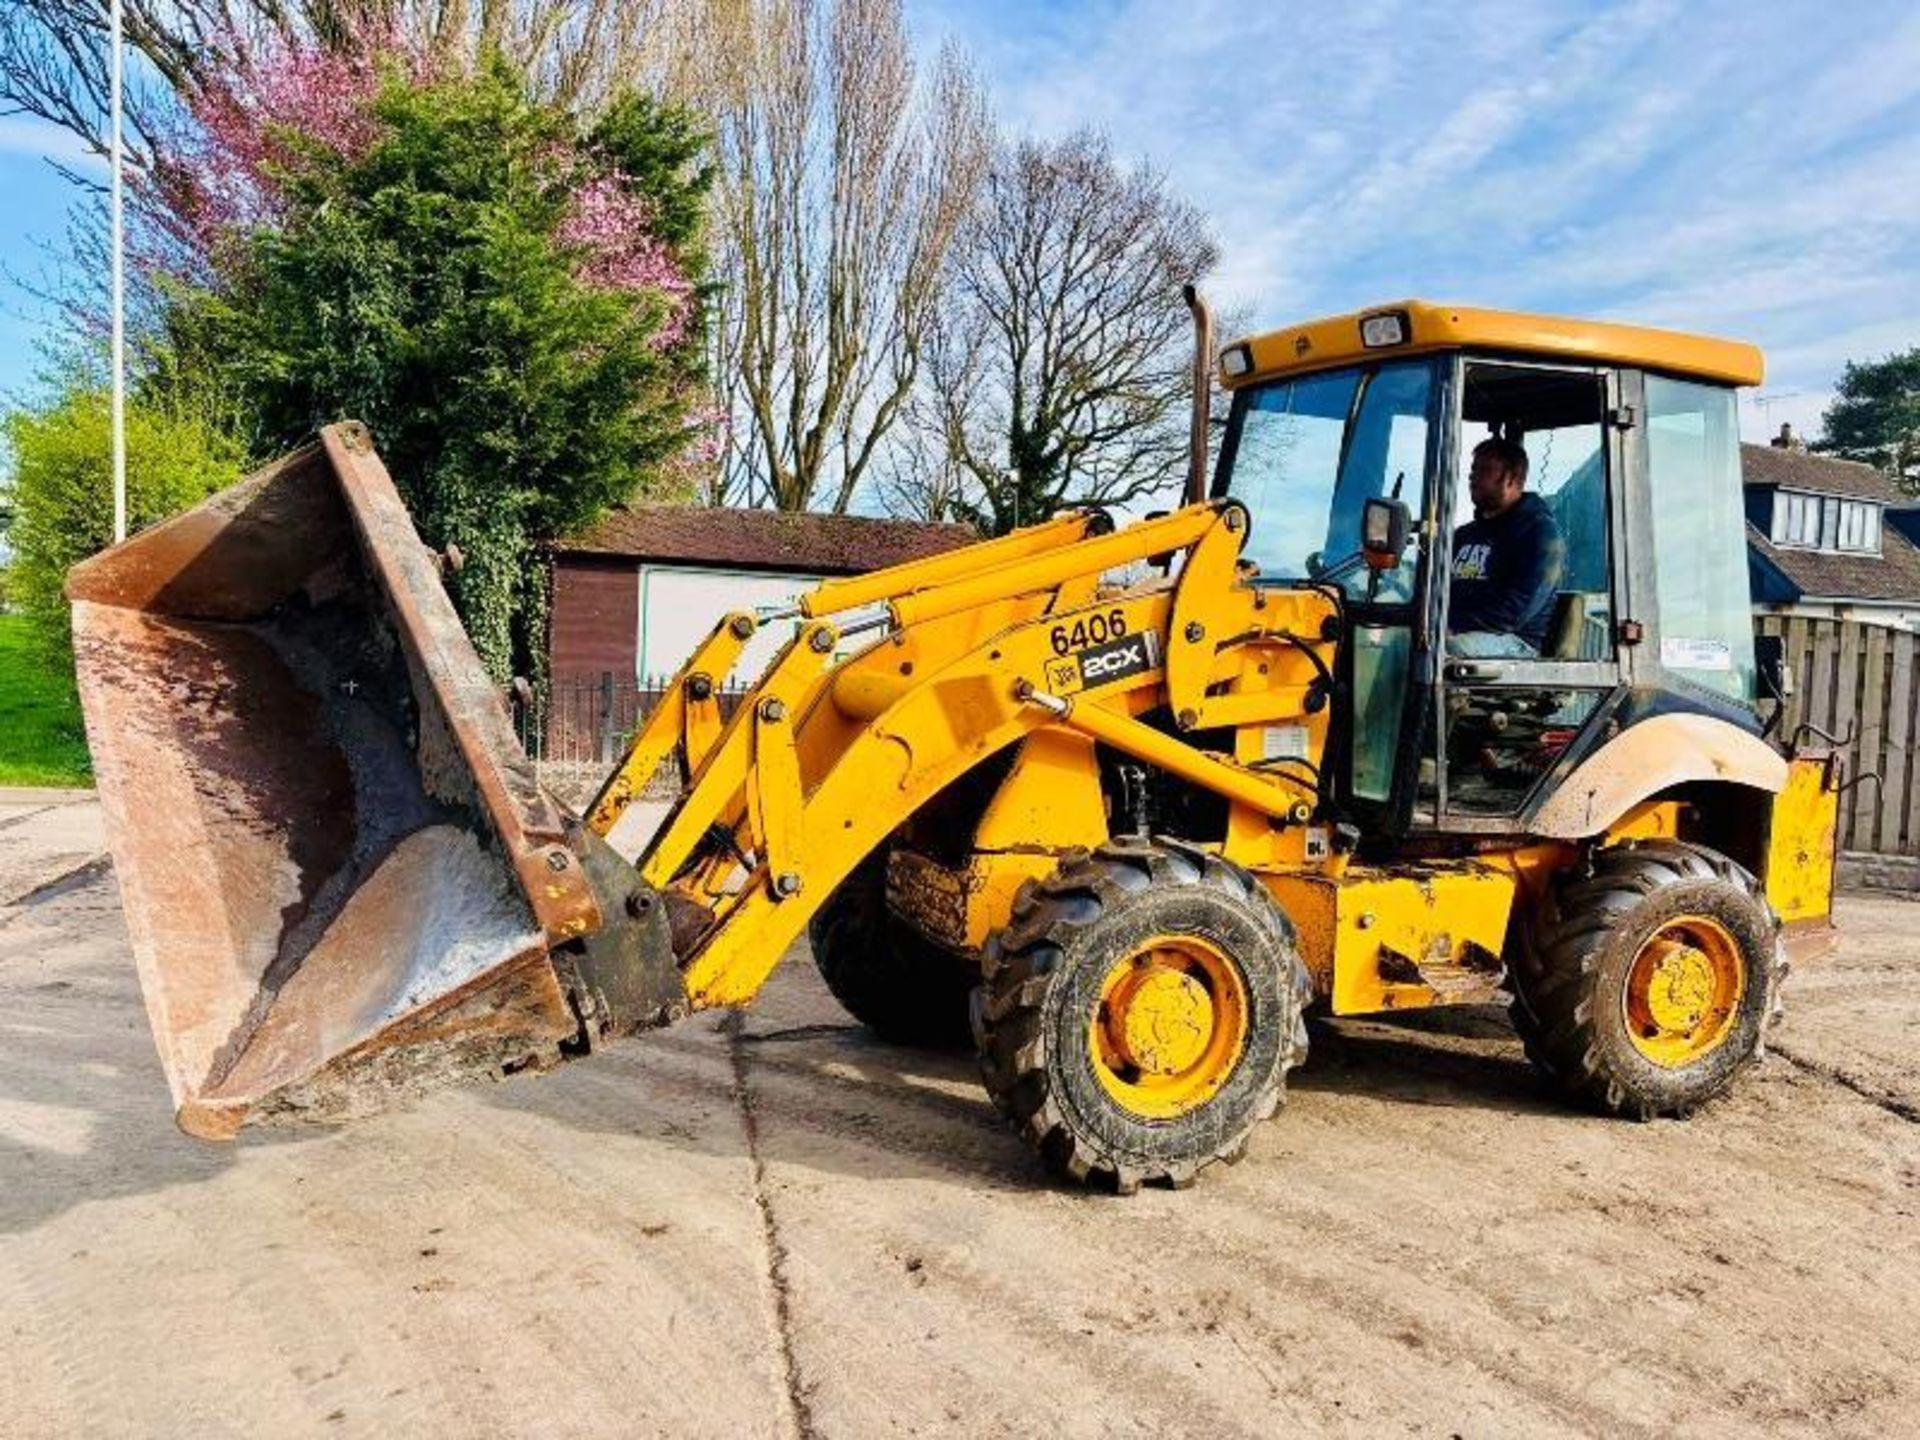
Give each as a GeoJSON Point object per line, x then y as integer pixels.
{"type": "Point", "coordinates": [1744, 170]}
{"type": "Point", "coordinates": [1736, 169]}
{"type": "Point", "coordinates": [33, 206]}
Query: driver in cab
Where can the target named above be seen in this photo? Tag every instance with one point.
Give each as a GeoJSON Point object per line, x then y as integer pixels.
{"type": "Point", "coordinates": [1507, 561]}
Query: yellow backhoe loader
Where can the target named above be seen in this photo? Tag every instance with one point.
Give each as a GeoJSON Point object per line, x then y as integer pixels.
{"type": "Point", "coordinates": [1122, 803]}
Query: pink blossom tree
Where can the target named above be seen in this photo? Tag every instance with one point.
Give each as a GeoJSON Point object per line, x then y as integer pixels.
{"type": "Point", "coordinates": [223, 171]}
{"type": "Point", "coordinates": [510, 298]}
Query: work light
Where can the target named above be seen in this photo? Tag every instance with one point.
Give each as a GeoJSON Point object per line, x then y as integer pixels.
{"type": "Point", "coordinates": [1389, 328]}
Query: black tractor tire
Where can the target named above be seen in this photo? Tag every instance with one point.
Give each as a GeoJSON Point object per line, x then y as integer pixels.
{"type": "Point", "coordinates": [1041, 994]}
{"type": "Point", "coordinates": [1576, 952]}
{"type": "Point", "coordinates": [885, 973]}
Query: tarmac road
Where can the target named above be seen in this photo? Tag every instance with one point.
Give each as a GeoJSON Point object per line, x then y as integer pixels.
{"type": "Point", "coordinates": [780, 1226]}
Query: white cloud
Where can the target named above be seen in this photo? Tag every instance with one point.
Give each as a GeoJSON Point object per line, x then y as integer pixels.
{"type": "Point", "coordinates": [1747, 170]}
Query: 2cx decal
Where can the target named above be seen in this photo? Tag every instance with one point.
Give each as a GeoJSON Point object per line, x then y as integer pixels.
{"type": "Point", "coordinates": [1117, 659]}
{"type": "Point", "coordinates": [1123, 656]}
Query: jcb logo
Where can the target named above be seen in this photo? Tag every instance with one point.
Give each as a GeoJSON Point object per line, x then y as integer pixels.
{"type": "Point", "coordinates": [1063, 676]}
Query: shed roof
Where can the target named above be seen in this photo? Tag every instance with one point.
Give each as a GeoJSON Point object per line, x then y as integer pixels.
{"type": "Point", "coordinates": [805, 543]}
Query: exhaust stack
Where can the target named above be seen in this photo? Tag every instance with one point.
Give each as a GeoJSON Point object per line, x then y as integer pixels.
{"type": "Point", "coordinates": [1202, 393]}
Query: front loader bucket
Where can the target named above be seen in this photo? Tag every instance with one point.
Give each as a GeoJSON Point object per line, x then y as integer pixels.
{"type": "Point", "coordinates": [341, 880]}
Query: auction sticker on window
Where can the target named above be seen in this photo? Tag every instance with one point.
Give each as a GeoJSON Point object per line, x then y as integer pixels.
{"type": "Point", "coordinates": [1683, 652]}
{"type": "Point", "coordinates": [1101, 664]}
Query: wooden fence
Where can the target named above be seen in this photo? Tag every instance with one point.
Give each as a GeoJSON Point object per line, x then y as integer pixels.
{"type": "Point", "coordinates": [1857, 682]}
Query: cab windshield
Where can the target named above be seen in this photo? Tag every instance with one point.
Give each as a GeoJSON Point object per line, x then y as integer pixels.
{"type": "Point", "coordinates": [1305, 455]}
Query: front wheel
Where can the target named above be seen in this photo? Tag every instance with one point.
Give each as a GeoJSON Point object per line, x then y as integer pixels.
{"type": "Point", "coordinates": [1643, 987]}
{"type": "Point", "coordinates": [1138, 1016]}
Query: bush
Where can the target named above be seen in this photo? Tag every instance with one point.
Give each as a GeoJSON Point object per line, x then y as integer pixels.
{"type": "Point", "coordinates": [60, 492]}
{"type": "Point", "coordinates": [511, 305]}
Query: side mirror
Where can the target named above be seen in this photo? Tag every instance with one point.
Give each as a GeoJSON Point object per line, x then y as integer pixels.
{"type": "Point", "coordinates": [1384, 526]}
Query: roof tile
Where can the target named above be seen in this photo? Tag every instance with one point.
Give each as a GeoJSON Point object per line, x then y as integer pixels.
{"type": "Point", "coordinates": [1818, 474]}
{"type": "Point", "coordinates": [1893, 574]}
{"type": "Point", "coordinates": [809, 543]}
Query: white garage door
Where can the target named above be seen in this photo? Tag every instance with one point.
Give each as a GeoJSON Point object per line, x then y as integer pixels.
{"type": "Point", "coordinates": [680, 605]}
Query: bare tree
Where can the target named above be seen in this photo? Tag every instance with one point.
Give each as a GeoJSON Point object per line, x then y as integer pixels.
{"type": "Point", "coordinates": [843, 181]}
{"type": "Point", "coordinates": [1058, 373]}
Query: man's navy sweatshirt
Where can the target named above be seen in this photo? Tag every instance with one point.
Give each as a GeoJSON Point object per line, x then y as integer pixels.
{"type": "Point", "coordinates": [1505, 572]}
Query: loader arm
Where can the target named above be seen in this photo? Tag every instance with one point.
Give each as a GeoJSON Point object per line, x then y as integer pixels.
{"type": "Point", "coordinates": [687, 717]}
{"type": "Point", "coordinates": [820, 764]}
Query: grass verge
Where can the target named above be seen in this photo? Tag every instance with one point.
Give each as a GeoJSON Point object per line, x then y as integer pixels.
{"type": "Point", "coordinates": [42, 741]}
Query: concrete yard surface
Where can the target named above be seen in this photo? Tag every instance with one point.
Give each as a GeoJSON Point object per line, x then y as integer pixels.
{"type": "Point", "coordinates": [772, 1224]}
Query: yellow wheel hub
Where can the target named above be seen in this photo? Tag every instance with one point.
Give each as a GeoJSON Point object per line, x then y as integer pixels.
{"type": "Point", "coordinates": [1683, 990]}
{"type": "Point", "coordinates": [1167, 1018]}
{"type": "Point", "coordinates": [1170, 1027]}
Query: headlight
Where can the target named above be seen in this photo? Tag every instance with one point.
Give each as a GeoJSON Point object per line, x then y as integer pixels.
{"type": "Point", "coordinates": [1235, 361]}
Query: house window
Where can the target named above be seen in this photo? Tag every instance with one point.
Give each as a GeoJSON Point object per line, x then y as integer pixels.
{"type": "Point", "coordinates": [1825, 522]}
{"type": "Point", "coordinates": [1796, 519]}
{"type": "Point", "coordinates": [1859, 526]}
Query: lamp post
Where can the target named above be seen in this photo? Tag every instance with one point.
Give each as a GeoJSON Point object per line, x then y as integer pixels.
{"type": "Point", "coordinates": [116, 225]}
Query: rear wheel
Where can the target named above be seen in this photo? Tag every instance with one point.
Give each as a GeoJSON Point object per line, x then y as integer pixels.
{"type": "Point", "coordinates": [888, 976]}
{"type": "Point", "coordinates": [1644, 987]}
{"type": "Point", "coordinates": [1138, 1016]}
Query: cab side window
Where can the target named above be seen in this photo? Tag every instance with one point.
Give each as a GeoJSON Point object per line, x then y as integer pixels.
{"type": "Point", "coordinates": [1699, 536]}
{"type": "Point", "coordinates": [1556, 417]}
{"type": "Point", "coordinates": [1502, 732]}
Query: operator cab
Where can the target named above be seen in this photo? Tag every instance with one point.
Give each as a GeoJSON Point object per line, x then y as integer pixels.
{"type": "Point", "coordinates": [1346, 434]}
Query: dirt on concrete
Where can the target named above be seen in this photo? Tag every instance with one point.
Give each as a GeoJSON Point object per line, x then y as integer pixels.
{"type": "Point", "coordinates": [776, 1225]}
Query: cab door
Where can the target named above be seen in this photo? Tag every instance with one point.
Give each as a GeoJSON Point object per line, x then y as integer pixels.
{"type": "Point", "coordinates": [1502, 726]}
